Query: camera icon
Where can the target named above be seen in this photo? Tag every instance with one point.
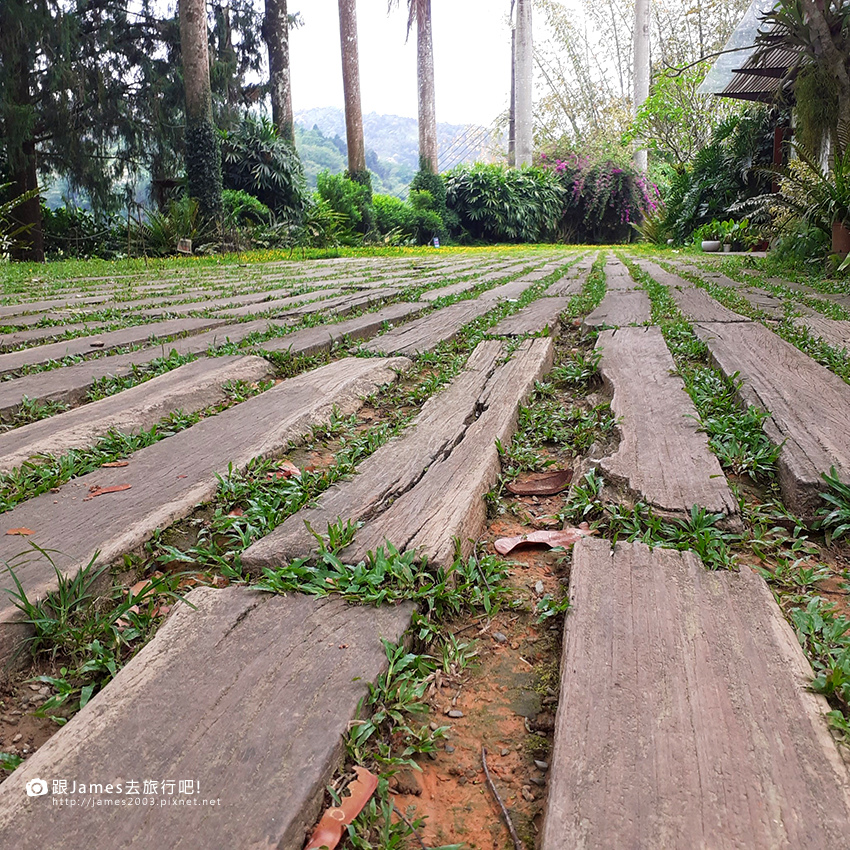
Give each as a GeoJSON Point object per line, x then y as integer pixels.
{"type": "Point", "coordinates": [36, 788]}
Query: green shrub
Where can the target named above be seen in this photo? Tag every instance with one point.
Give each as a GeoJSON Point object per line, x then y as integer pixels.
{"type": "Point", "coordinates": [352, 200]}
{"type": "Point", "coordinates": [73, 232]}
{"type": "Point", "coordinates": [257, 161]}
{"type": "Point", "coordinates": [393, 214]}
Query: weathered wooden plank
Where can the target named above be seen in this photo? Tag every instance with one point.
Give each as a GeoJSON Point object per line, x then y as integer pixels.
{"type": "Point", "coordinates": [663, 459]}
{"type": "Point", "coordinates": [446, 507]}
{"type": "Point", "coordinates": [189, 388]}
{"type": "Point", "coordinates": [15, 338]}
{"type": "Point", "coordinates": [69, 384]}
{"type": "Point", "coordinates": [466, 285]}
{"type": "Point", "coordinates": [341, 305]}
{"type": "Point", "coordinates": [542, 314]}
{"type": "Point", "coordinates": [695, 303]}
{"type": "Point", "coordinates": [14, 360]}
{"type": "Point", "coordinates": [324, 337]}
{"type": "Point", "coordinates": [247, 695]}
{"type": "Point", "coordinates": [684, 718]}
{"type": "Point", "coordinates": [620, 307]}
{"type": "Point", "coordinates": [169, 478]}
{"type": "Point", "coordinates": [809, 406]}
{"type": "Point", "coordinates": [391, 471]}
{"type": "Point", "coordinates": [831, 331]}
{"type": "Point", "coordinates": [277, 305]}
{"type": "Point", "coordinates": [617, 277]}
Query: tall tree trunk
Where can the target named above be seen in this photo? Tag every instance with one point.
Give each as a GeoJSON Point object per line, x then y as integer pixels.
{"type": "Point", "coordinates": [512, 107]}
{"type": "Point", "coordinates": [203, 152]}
{"type": "Point", "coordinates": [641, 58]}
{"type": "Point", "coordinates": [425, 73]}
{"type": "Point", "coordinates": [524, 78]}
{"type": "Point", "coordinates": [276, 36]}
{"type": "Point", "coordinates": [351, 86]}
{"type": "Point", "coordinates": [19, 143]}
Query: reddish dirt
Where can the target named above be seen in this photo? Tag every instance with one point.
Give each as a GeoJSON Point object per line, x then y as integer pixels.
{"type": "Point", "coordinates": [508, 703]}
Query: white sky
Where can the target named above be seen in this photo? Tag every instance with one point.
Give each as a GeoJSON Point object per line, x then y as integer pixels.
{"type": "Point", "coordinates": [472, 45]}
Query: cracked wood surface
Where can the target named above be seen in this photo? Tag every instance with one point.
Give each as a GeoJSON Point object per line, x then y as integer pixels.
{"type": "Point", "coordinates": [663, 459]}
{"type": "Point", "coordinates": [189, 388]}
{"type": "Point", "coordinates": [134, 335]}
{"type": "Point", "coordinates": [809, 406]}
{"type": "Point", "coordinates": [391, 471]}
{"type": "Point", "coordinates": [169, 478]}
{"type": "Point", "coordinates": [831, 331]}
{"type": "Point", "coordinates": [541, 315]}
{"type": "Point", "coordinates": [684, 718]}
{"type": "Point", "coordinates": [446, 508]}
{"type": "Point", "coordinates": [695, 303]}
{"type": "Point", "coordinates": [70, 384]}
{"type": "Point", "coordinates": [249, 694]}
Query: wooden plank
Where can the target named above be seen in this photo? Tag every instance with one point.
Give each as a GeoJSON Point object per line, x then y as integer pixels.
{"type": "Point", "coordinates": [466, 285]}
{"type": "Point", "coordinates": [135, 335]}
{"type": "Point", "coordinates": [324, 337]}
{"type": "Point", "coordinates": [16, 338]}
{"type": "Point", "coordinates": [695, 303]}
{"type": "Point", "coordinates": [341, 305]}
{"type": "Point", "coordinates": [429, 331]}
{"type": "Point", "coordinates": [393, 470]}
{"type": "Point", "coordinates": [69, 384]}
{"type": "Point", "coordinates": [617, 277]}
{"type": "Point", "coordinates": [275, 306]}
{"type": "Point", "coordinates": [684, 719]}
{"type": "Point", "coordinates": [619, 307]}
{"type": "Point", "coordinates": [541, 315]}
{"type": "Point", "coordinates": [189, 388]}
{"type": "Point", "coordinates": [663, 459]}
{"type": "Point", "coordinates": [809, 406]}
{"type": "Point", "coordinates": [248, 695]}
{"type": "Point", "coordinates": [831, 331]}
{"type": "Point", "coordinates": [446, 508]}
{"type": "Point", "coordinates": [170, 477]}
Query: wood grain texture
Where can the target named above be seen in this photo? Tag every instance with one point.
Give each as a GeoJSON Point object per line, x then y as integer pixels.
{"type": "Point", "coordinates": [189, 388]}
{"type": "Point", "coordinates": [274, 306]}
{"type": "Point", "coordinates": [618, 309]}
{"type": "Point", "coordinates": [342, 305]}
{"type": "Point", "coordinates": [248, 695]}
{"type": "Point", "coordinates": [135, 335]}
{"type": "Point", "coordinates": [617, 277]}
{"type": "Point", "coordinates": [70, 384]}
{"type": "Point", "coordinates": [831, 331]}
{"type": "Point", "coordinates": [323, 337]}
{"type": "Point", "coordinates": [393, 470]}
{"type": "Point", "coordinates": [170, 477]}
{"type": "Point", "coordinates": [663, 459]}
{"type": "Point", "coordinates": [542, 314]}
{"type": "Point", "coordinates": [809, 406]}
{"type": "Point", "coordinates": [684, 719]}
{"type": "Point", "coordinates": [695, 303]}
{"type": "Point", "coordinates": [447, 505]}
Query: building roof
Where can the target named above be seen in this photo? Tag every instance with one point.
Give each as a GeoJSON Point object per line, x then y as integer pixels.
{"type": "Point", "coordinates": [738, 73]}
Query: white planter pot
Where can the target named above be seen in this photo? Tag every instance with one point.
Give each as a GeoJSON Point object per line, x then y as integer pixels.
{"type": "Point", "coordinates": [710, 245]}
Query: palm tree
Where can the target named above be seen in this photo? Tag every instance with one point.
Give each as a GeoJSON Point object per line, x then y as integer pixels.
{"type": "Point", "coordinates": [419, 12]}
{"type": "Point", "coordinates": [351, 85]}
{"type": "Point", "coordinates": [203, 153]}
{"type": "Point", "coordinates": [523, 59]}
{"type": "Point", "coordinates": [276, 36]}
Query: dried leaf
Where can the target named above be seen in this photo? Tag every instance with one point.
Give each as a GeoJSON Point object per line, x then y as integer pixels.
{"type": "Point", "coordinates": [237, 512]}
{"type": "Point", "coordinates": [115, 464]}
{"type": "Point", "coordinates": [543, 484]}
{"type": "Point", "coordinates": [22, 531]}
{"type": "Point", "coordinates": [100, 491]}
{"type": "Point", "coordinates": [566, 537]}
{"type": "Point", "coordinates": [285, 469]}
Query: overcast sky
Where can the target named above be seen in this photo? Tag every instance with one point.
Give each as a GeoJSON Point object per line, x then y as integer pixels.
{"type": "Point", "coordinates": [471, 58]}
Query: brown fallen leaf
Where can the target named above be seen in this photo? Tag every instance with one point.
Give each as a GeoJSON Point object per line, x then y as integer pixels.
{"type": "Point", "coordinates": [22, 531]}
{"type": "Point", "coordinates": [100, 491]}
{"type": "Point", "coordinates": [237, 512]}
{"type": "Point", "coordinates": [566, 537]}
{"type": "Point", "coordinates": [116, 463]}
{"type": "Point", "coordinates": [328, 832]}
{"type": "Point", "coordinates": [285, 469]}
{"type": "Point", "coordinates": [543, 484]}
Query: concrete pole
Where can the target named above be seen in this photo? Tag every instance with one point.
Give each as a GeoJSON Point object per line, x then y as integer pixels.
{"type": "Point", "coordinates": [641, 76]}
{"type": "Point", "coordinates": [524, 58]}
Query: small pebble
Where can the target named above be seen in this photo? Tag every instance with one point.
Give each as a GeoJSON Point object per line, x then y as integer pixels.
{"type": "Point", "coordinates": [542, 765]}
{"type": "Point", "coordinates": [434, 726]}
{"type": "Point", "coordinates": [35, 688]}
{"type": "Point", "coordinates": [527, 794]}
{"type": "Point", "coordinates": [432, 756]}
{"type": "Point", "coordinates": [538, 780]}
{"type": "Point", "coordinates": [449, 748]}
{"type": "Point", "coordinates": [17, 738]}
{"type": "Point", "coordinates": [498, 636]}
{"type": "Point", "coordinates": [538, 588]}
{"type": "Point", "coordinates": [505, 752]}
{"type": "Point", "coordinates": [455, 712]}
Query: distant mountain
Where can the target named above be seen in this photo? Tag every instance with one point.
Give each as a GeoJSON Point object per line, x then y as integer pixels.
{"type": "Point", "coordinates": [396, 139]}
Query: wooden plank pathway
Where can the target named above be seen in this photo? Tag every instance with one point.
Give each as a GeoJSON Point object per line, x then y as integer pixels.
{"type": "Point", "coordinates": [247, 695]}
{"type": "Point", "coordinates": [169, 478]}
{"type": "Point", "coordinates": [684, 719]}
{"type": "Point", "coordinates": [663, 459]}
{"type": "Point", "coordinates": [809, 406]}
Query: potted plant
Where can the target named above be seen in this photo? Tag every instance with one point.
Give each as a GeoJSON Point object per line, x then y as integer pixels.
{"type": "Point", "coordinates": [709, 236]}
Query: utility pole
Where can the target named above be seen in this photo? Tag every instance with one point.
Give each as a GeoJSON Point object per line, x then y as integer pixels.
{"type": "Point", "coordinates": [641, 81]}
{"type": "Point", "coordinates": [524, 62]}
